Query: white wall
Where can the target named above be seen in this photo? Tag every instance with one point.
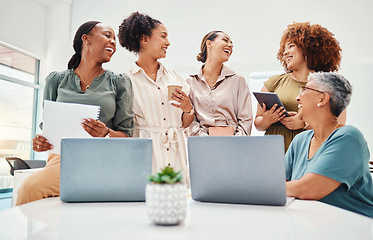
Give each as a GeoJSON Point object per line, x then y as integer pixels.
{"type": "Point", "coordinates": [40, 28]}
{"type": "Point", "coordinates": [254, 26]}
{"type": "Point", "coordinates": [58, 38]}
{"type": "Point", "coordinates": [22, 25]}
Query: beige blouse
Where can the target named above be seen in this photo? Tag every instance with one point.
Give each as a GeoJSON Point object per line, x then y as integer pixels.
{"type": "Point", "coordinates": [157, 119]}
{"type": "Point", "coordinates": [227, 103]}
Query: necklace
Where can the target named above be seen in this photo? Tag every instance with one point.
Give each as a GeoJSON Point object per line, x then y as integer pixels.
{"type": "Point", "coordinates": [81, 78]}
{"type": "Point", "coordinates": [149, 73]}
{"type": "Point", "coordinates": [314, 139]}
{"type": "Point", "coordinates": [208, 81]}
{"type": "Point", "coordinates": [211, 80]}
{"type": "Point", "coordinates": [153, 74]}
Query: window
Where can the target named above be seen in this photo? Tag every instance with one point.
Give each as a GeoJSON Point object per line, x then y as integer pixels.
{"type": "Point", "coordinates": [256, 81]}
{"type": "Point", "coordinates": [19, 89]}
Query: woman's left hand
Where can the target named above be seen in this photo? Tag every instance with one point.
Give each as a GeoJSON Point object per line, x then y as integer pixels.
{"type": "Point", "coordinates": [95, 128]}
{"type": "Point", "coordinates": [184, 102]}
{"type": "Point", "coordinates": [293, 122]}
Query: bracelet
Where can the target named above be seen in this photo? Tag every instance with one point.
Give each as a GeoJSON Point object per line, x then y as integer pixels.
{"type": "Point", "coordinates": [190, 113]}
{"type": "Point", "coordinates": [108, 133]}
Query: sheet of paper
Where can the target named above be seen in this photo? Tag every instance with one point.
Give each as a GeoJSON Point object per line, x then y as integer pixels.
{"type": "Point", "coordinates": [64, 120]}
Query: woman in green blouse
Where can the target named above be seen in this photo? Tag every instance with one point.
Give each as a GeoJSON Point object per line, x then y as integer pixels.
{"type": "Point", "coordinates": [85, 82]}
{"type": "Point", "coordinates": [304, 48]}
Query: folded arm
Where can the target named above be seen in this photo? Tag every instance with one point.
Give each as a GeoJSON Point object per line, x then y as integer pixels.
{"type": "Point", "coordinates": [311, 186]}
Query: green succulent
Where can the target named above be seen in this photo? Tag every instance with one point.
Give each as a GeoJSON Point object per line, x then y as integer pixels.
{"type": "Point", "coordinates": [167, 175]}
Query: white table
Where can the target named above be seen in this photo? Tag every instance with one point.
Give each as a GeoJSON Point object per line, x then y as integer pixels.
{"type": "Point", "coordinates": [53, 219]}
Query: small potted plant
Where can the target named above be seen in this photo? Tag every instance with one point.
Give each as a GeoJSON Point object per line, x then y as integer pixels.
{"type": "Point", "coordinates": [166, 197]}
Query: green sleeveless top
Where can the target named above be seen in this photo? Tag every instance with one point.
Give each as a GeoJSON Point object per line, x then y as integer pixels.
{"type": "Point", "coordinates": [287, 90]}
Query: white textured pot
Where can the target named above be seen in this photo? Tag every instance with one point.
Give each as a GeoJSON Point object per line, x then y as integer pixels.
{"type": "Point", "coordinates": [166, 203]}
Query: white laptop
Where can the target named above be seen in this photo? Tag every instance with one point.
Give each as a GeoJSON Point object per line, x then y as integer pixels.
{"type": "Point", "coordinates": [104, 169]}
{"type": "Point", "coordinates": [246, 170]}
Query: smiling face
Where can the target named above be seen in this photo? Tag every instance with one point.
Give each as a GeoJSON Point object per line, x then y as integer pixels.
{"type": "Point", "coordinates": [157, 44]}
{"type": "Point", "coordinates": [100, 43]}
{"type": "Point", "coordinates": [293, 57]}
{"type": "Point", "coordinates": [221, 48]}
{"type": "Point", "coordinates": [308, 99]}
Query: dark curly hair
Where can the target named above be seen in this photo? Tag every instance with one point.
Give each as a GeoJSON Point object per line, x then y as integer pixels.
{"type": "Point", "coordinates": [134, 28]}
{"type": "Point", "coordinates": [318, 44]}
{"type": "Point", "coordinates": [85, 28]}
{"type": "Point", "coordinates": [209, 36]}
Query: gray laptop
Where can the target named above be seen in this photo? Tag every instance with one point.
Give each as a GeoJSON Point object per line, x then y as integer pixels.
{"type": "Point", "coordinates": [246, 170]}
{"type": "Point", "coordinates": [104, 169]}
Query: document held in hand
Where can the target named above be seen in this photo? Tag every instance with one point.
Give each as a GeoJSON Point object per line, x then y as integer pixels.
{"type": "Point", "coordinates": [65, 120]}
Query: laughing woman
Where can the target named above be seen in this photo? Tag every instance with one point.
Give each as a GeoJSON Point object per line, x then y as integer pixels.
{"type": "Point", "coordinates": [330, 162]}
{"type": "Point", "coordinates": [221, 97]}
{"type": "Point", "coordinates": [85, 82]}
{"type": "Point", "coordinates": [155, 117]}
{"type": "Point", "coordinates": [304, 48]}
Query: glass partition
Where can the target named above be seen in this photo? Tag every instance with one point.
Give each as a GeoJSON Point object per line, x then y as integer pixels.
{"type": "Point", "coordinates": [18, 93]}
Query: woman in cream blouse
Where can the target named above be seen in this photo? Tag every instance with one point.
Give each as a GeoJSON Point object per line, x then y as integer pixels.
{"type": "Point", "coordinates": [155, 117]}
{"type": "Point", "coordinates": [221, 97]}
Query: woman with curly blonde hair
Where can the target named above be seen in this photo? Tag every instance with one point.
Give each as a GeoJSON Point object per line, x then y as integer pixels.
{"type": "Point", "coordinates": [304, 48]}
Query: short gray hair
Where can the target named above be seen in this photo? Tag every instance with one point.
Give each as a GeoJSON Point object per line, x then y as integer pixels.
{"type": "Point", "coordinates": [338, 87]}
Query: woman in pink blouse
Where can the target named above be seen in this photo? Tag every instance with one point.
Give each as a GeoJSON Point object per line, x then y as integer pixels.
{"type": "Point", "coordinates": [220, 96]}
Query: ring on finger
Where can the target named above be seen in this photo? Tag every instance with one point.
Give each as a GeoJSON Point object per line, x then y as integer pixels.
{"type": "Point", "coordinates": [38, 146]}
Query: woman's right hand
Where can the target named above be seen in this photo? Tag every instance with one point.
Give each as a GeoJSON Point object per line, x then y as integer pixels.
{"type": "Point", "coordinates": [272, 115]}
{"type": "Point", "coordinates": [41, 144]}
{"type": "Point", "coordinates": [265, 118]}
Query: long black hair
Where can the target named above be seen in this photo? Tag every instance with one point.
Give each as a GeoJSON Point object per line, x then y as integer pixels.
{"type": "Point", "coordinates": [85, 28]}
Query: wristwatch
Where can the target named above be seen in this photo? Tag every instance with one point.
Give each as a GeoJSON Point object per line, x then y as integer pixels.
{"type": "Point", "coordinates": [190, 113]}
{"type": "Point", "coordinates": [108, 133]}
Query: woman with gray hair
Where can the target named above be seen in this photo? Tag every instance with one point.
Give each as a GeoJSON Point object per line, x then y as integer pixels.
{"type": "Point", "coordinates": [330, 162]}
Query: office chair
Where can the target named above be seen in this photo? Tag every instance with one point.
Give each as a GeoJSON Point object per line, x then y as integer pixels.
{"type": "Point", "coordinates": [17, 163]}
